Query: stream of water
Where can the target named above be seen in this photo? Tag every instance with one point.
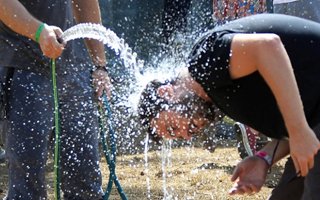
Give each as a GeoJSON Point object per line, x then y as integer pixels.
{"type": "Point", "coordinates": [140, 79]}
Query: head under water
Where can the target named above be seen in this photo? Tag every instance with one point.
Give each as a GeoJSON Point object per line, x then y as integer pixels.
{"type": "Point", "coordinates": [173, 119]}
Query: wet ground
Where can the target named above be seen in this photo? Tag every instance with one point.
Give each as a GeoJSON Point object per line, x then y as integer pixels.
{"type": "Point", "coordinates": [193, 174]}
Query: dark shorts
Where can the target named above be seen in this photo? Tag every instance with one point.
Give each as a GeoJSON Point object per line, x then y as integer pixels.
{"type": "Point", "coordinates": [297, 188]}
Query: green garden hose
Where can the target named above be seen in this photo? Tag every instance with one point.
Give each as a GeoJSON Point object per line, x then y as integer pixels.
{"type": "Point", "coordinates": [57, 132]}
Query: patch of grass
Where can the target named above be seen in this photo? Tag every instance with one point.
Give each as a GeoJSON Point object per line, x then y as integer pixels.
{"type": "Point", "coordinates": [193, 174]}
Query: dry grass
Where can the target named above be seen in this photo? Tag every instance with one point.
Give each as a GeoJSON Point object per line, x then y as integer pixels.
{"type": "Point", "coordinates": [193, 174]}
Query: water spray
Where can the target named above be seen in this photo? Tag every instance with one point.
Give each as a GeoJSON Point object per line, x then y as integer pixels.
{"type": "Point", "coordinates": [94, 31]}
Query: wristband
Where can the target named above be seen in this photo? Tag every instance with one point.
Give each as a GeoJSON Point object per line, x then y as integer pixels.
{"type": "Point", "coordinates": [264, 155]}
{"type": "Point", "coordinates": [38, 32]}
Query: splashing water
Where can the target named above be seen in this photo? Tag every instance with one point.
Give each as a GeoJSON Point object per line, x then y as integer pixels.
{"type": "Point", "coordinates": [146, 166]}
{"type": "Point", "coordinates": [108, 37]}
{"type": "Point", "coordinates": [140, 77]}
{"type": "Point", "coordinates": [166, 152]}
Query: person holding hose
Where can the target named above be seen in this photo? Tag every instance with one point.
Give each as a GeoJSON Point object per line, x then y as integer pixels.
{"type": "Point", "coordinates": [29, 38]}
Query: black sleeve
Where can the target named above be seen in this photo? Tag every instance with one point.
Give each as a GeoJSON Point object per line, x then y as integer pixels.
{"type": "Point", "coordinates": [209, 59]}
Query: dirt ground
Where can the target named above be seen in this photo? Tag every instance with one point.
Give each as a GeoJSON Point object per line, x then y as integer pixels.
{"type": "Point", "coordinates": [193, 174]}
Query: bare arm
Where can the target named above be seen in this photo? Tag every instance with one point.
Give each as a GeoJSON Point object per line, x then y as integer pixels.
{"type": "Point", "coordinates": [266, 54]}
{"type": "Point", "coordinates": [250, 174]}
{"type": "Point", "coordinates": [89, 11]}
{"type": "Point", "coordinates": [18, 19]}
{"type": "Point", "coordinates": [277, 152]}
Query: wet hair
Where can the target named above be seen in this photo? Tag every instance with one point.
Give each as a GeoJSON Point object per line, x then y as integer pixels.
{"type": "Point", "coordinates": [151, 104]}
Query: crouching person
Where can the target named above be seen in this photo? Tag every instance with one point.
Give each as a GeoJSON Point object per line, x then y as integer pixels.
{"type": "Point", "coordinates": [262, 71]}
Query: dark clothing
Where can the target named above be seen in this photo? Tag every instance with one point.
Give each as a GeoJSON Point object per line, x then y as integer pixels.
{"type": "Point", "coordinates": [299, 188]}
{"type": "Point", "coordinates": [31, 113]}
{"type": "Point", "coordinates": [31, 124]}
{"type": "Point", "coordinates": [5, 82]}
{"type": "Point", "coordinates": [23, 53]}
{"type": "Point", "coordinates": [290, 186]}
{"type": "Point", "coordinates": [249, 100]}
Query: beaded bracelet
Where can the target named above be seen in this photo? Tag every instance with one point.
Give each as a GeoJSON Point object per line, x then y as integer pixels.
{"type": "Point", "coordinates": [38, 32]}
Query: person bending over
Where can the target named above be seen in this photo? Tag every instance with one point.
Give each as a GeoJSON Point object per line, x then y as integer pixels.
{"type": "Point", "coordinates": [263, 71]}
